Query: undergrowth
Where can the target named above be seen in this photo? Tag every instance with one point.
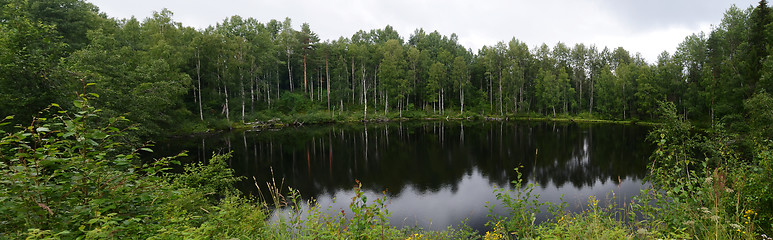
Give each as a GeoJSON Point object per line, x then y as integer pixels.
{"type": "Point", "coordinates": [69, 176]}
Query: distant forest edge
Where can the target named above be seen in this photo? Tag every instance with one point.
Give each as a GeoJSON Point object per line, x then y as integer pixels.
{"type": "Point", "coordinates": [168, 77]}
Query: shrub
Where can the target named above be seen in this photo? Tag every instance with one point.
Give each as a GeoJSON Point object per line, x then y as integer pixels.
{"type": "Point", "coordinates": [293, 103]}
{"type": "Point", "coordinates": [705, 178]}
{"type": "Point", "coordinates": [215, 179]}
{"type": "Point", "coordinates": [66, 177]}
{"type": "Point", "coordinates": [522, 207]}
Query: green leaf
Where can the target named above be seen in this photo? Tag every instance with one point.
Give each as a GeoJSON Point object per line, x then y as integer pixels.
{"type": "Point", "coordinates": [8, 117]}
{"type": "Point", "coordinates": [94, 94]}
{"type": "Point", "coordinates": [68, 134]}
{"type": "Point", "coordinates": [55, 105]}
{"type": "Point", "coordinates": [78, 103]}
{"type": "Point", "coordinates": [42, 129]}
{"type": "Point", "coordinates": [146, 149]}
{"type": "Point", "coordinates": [99, 135]}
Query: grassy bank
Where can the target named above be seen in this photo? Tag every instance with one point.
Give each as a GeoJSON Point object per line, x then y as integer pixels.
{"type": "Point", "coordinates": [270, 119]}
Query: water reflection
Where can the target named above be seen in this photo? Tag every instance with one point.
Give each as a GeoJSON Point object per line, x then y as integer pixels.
{"type": "Point", "coordinates": [435, 173]}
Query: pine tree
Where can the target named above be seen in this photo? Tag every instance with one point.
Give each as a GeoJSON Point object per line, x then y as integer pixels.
{"type": "Point", "coordinates": [758, 44]}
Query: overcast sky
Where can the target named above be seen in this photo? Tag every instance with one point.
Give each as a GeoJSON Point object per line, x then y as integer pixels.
{"type": "Point", "coordinates": [648, 27]}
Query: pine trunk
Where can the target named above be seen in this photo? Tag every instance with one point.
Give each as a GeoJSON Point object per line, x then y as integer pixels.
{"type": "Point", "coordinates": [304, 73]}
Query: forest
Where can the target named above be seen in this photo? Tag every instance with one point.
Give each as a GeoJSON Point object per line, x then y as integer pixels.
{"type": "Point", "coordinates": [160, 73]}
{"type": "Point", "coordinates": [63, 60]}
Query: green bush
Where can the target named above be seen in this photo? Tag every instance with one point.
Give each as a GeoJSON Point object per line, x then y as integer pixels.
{"type": "Point", "coordinates": [522, 207]}
{"type": "Point", "coordinates": [586, 115]}
{"type": "Point", "coordinates": [219, 124]}
{"type": "Point", "coordinates": [215, 179]}
{"type": "Point", "coordinates": [64, 177]}
{"type": "Point", "coordinates": [292, 103]}
{"type": "Point", "coordinates": [705, 178]}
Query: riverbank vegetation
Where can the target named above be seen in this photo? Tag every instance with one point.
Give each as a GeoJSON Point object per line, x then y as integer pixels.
{"type": "Point", "coordinates": [70, 170]}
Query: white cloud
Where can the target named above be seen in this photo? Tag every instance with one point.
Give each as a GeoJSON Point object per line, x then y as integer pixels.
{"type": "Point", "coordinates": [648, 27]}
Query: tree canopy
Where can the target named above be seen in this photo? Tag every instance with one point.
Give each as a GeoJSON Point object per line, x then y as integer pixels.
{"type": "Point", "coordinates": [161, 73]}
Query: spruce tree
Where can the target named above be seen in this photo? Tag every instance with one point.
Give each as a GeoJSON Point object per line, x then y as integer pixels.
{"type": "Point", "coordinates": [758, 43]}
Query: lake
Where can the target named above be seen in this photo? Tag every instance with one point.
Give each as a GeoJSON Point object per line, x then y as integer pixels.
{"type": "Point", "coordinates": [435, 173]}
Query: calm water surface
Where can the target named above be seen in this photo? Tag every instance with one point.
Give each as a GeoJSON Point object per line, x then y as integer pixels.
{"type": "Point", "coordinates": [435, 174]}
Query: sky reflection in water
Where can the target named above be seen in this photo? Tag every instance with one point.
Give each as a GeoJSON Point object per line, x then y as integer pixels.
{"type": "Point", "coordinates": [436, 174]}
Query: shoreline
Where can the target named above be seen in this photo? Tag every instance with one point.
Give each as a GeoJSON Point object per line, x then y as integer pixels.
{"type": "Point", "coordinates": [298, 121]}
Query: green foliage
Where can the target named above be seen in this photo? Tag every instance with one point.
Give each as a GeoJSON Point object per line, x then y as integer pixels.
{"type": "Point", "coordinates": [707, 179]}
{"type": "Point", "coordinates": [219, 124]}
{"type": "Point", "coordinates": [72, 19]}
{"type": "Point", "coordinates": [760, 184]}
{"type": "Point", "coordinates": [362, 220]}
{"type": "Point", "coordinates": [313, 117]}
{"type": "Point", "coordinates": [392, 72]}
{"type": "Point", "coordinates": [522, 207]}
{"type": "Point", "coordinates": [673, 141]}
{"type": "Point", "coordinates": [593, 223]}
{"type": "Point", "coordinates": [292, 103]}
{"type": "Point", "coordinates": [136, 69]}
{"type": "Point", "coordinates": [233, 217]}
{"type": "Point", "coordinates": [760, 115]}
{"type": "Point", "coordinates": [437, 73]}
{"type": "Point", "coordinates": [758, 42]}
{"type": "Point", "coordinates": [29, 54]}
{"type": "Point", "coordinates": [67, 177]}
{"type": "Point", "coordinates": [61, 173]}
{"type": "Point", "coordinates": [161, 74]}
{"type": "Point", "coordinates": [609, 89]}
{"type": "Point", "coordinates": [365, 214]}
{"type": "Point", "coordinates": [548, 90]}
{"type": "Point", "coordinates": [216, 179]}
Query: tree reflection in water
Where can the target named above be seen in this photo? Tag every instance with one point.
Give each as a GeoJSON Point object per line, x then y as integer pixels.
{"type": "Point", "coordinates": [435, 173]}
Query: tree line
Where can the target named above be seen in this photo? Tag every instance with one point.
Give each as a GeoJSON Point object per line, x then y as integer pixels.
{"type": "Point", "coordinates": [161, 73]}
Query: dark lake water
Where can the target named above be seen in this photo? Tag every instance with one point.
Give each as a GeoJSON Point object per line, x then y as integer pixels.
{"type": "Point", "coordinates": [435, 173]}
